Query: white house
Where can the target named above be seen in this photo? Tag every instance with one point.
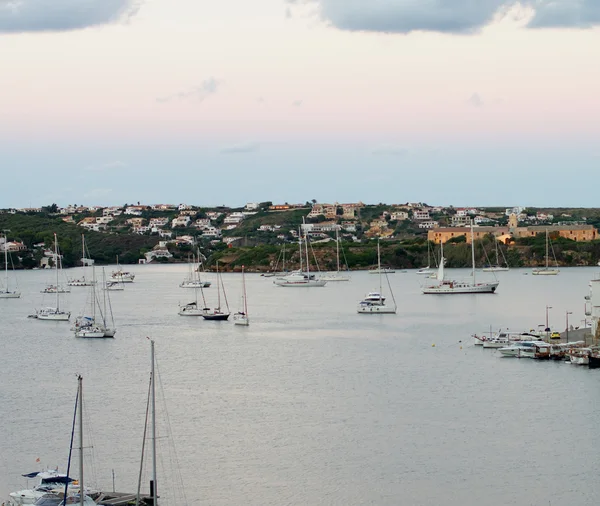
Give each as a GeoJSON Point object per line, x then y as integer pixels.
{"type": "Point", "coordinates": [420, 214]}
{"type": "Point", "coordinates": [429, 224]}
{"type": "Point", "coordinates": [184, 207]}
{"type": "Point", "coordinates": [252, 206]}
{"type": "Point", "coordinates": [181, 221]}
{"type": "Point", "coordinates": [234, 218]}
{"type": "Point", "coordinates": [104, 220]}
{"type": "Point", "coordinates": [134, 210]}
{"type": "Point", "coordinates": [399, 216]}
{"type": "Point", "coordinates": [211, 232]}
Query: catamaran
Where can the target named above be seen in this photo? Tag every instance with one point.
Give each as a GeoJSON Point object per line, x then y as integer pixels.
{"type": "Point", "coordinates": [121, 275]}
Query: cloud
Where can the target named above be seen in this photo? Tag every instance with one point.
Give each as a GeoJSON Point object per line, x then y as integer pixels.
{"type": "Point", "coordinates": [117, 164]}
{"type": "Point", "coordinates": [17, 16]}
{"type": "Point", "coordinates": [448, 16]}
{"type": "Point", "coordinates": [297, 103]}
{"type": "Point", "coordinates": [475, 100]}
{"type": "Point", "coordinates": [208, 87]}
{"type": "Point", "coordinates": [248, 147]}
{"type": "Point", "coordinates": [388, 149]}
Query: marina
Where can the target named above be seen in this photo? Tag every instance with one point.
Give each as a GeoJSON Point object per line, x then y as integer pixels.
{"type": "Point", "coordinates": [260, 414]}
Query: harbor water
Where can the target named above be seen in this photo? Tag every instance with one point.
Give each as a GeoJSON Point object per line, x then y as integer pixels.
{"type": "Point", "coordinates": [312, 404]}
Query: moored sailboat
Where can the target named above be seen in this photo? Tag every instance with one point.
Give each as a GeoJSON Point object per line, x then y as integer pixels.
{"type": "Point", "coordinates": [547, 270]}
{"type": "Point", "coordinates": [444, 286]}
{"type": "Point", "coordinates": [54, 313]}
{"type": "Point", "coordinates": [5, 292]}
{"type": "Point", "coordinates": [337, 275]}
{"type": "Point", "coordinates": [217, 313]}
{"type": "Point", "coordinates": [299, 278]}
{"type": "Point", "coordinates": [82, 281]}
{"type": "Point", "coordinates": [241, 317]}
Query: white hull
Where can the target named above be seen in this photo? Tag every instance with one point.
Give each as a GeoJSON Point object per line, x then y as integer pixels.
{"type": "Point", "coordinates": [495, 344]}
{"type": "Point", "coordinates": [115, 288]}
{"type": "Point", "coordinates": [334, 277]}
{"type": "Point", "coordinates": [185, 311]}
{"type": "Point", "coordinates": [300, 284]}
{"type": "Point", "coordinates": [10, 295]}
{"type": "Point", "coordinates": [110, 332]}
{"type": "Point", "coordinates": [545, 272]}
{"type": "Point", "coordinates": [241, 320]}
{"type": "Point", "coordinates": [425, 271]}
{"type": "Point", "coordinates": [451, 288]}
{"type": "Point", "coordinates": [80, 283]}
{"type": "Point", "coordinates": [510, 352]}
{"type": "Point", "coordinates": [92, 332]}
{"type": "Point", "coordinates": [383, 271]}
{"type": "Point", "coordinates": [58, 317]}
{"type": "Point", "coordinates": [195, 284]}
{"type": "Point", "coordinates": [375, 309]}
{"type": "Point", "coordinates": [53, 290]}
{"type": "Point", "coordinates": [578, 360]}
{"type": "Point", "coordinates": [495, 269]}
{"type": "Point", "coordinates": [123, 280]}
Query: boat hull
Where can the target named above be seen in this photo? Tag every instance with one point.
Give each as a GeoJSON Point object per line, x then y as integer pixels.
{"type": "Point", "coordinates": [371, 309]}
{"type": "Point", "coordinates": [455, 288]}
{"type": "Point", "coordinates": [216, 317]}
{"type": "Point", "coordinates": [10, 295]}
{"type": "Point", "coordinates": [90, 333]}
{"type": "Point", "coordinates": [58, 317]}
{"type": "Point", "coordinates": [549, 272]}
{"type": "Point", "coordinates": [495, 269]}
{"type": "Point", "coordinates": [241, 320]}
{"type": "Point", "coordinates": [300, 284]}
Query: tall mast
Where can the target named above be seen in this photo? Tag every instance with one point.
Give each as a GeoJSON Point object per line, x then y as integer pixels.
{"type": "Point", "coordinates": [306, 248]}
{"type": "Point", "coordinates": [337, 248]}
{"type": "Point", "coordinates": [56, 267]}
{"type": "Point", "coordinates": [379, 268]}
{"type": "Point", "coordinates": [80, 415]}
{"type": "Point", "coordinates": [83, 253]}
{"type": "Point", "coordinates": [244, 287]}
{"type": "Point", "coordinates": [6, 260]}
{"type": "Point", "coordinates": [472, 253]}
{"type": "Point", "coordinates": [300, 245]}
{"type": "Point", "coordinates": [154, 490]}
{"type": "Point", "coordinates": [546, 249]}
{"type": "Point", "coordinates": [497, 258]}
{"type": "Point", "coordinates": [218, 288]}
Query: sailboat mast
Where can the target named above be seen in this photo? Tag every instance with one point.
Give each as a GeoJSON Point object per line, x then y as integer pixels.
{"type": "Point", "coordinates": [379, 268]}
{"type": "Point", "coordinates": [244, 287]}
{"type": "Point", "coordinates": [154, 489]}
{"type": "Point", "coordinates": [300, 246]}
{"type": "Point", "coordinates": [80, 415]}
{"type": "Point", "coordinates": [218, 288]}
{"type": "Point", "coordinates": [306, 248]}
{"type": "Point", "coordinates": [6, 261]}
{"type": "Point", "coordinates": [337, 248]}
{"type": "Point", "coordinates": [83, 253]}
{"type": "Point", "coordinates": [56, 267]}
{"type": "Point", "coordinates": [546, 256]}
{"type": "Point", "coordinates": [472, 253]}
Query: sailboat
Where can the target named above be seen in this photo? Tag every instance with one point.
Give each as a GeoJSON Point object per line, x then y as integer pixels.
{"type": "Point", "coordinates": [54, 313]}
{"type": "Point", "coordinates": [121, 275]}
{"type": "Point", "coordinates": [241, 317]}
{"type": "Point", "coordinates": [546, 271]}
{"type": "Point", "coordinates": [444, 286]}
{"type": "Point", "coordinates": [498, 267]}
{"type": "Point", "coordinates": [427, 270]}
{"type": "Point", "coordinates": [81, 281]}
{"type": "Point", "coordinates": [336, 276]}
{"type": "Point", "coordinates": [94, 324]}
{"type": "Point", "coordinates": [275, 272]}
{"type": "Point", "coordinates": [5, 293]}
{"type": "Point", "coordinates": [374, 302]}
{"type": "Point", "coordinates": [54, 486]}
{"type": "Point", "coordinates": [192, 308]}
{"type": "Point", "coordinates": [193, 278]}
{"type": "Point", "coordinates": [217, 313]}
{"type": "Point", "coordinates": [300, 278]}
{"type": "Point", "coordinates": [58, 287]}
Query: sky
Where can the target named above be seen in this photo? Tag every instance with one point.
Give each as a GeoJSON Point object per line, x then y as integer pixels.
{"type": "Point", "coordinates": [448, 102]}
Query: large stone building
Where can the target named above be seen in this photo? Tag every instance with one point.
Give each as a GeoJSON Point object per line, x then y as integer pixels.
{"type": "Point", "coordinates": [573, 232]}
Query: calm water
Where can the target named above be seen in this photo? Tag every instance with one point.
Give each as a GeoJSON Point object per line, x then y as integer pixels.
{"type": "Point", "coordinates": [313, 404]}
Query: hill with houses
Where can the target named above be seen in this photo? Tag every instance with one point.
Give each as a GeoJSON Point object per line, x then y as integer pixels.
{"type": "Point", "coordinates": [255, 234]}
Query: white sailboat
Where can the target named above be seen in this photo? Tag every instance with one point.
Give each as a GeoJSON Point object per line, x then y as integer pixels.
{"type": "Point", "coordinates": [299, 278]}
{"type": "Point", "coordinates": [56, 287]}
{"type": "Point", "coordinates": [54, 313]}
{"type": "Point", "coordinates": [82, 281]}
{"type": "Point", "coordinates": [498, 267]}
{"type": "Point", "coordinates": [337, 275]}
{"type": "Point", "coordinates": [242, 317]}
{"type": "Point", "coordinates": [94, 323]}
{"type": "Point", "coordinates": [443, 286]}
{"type": "Point", "coordinates": [427, 271]}
{"type": "Point", "coordinates": [546, 271]}
{"type": "Point", "coordinates": [374, 302]}
{"type": "Point", "coordinates": [193, 278]}
{"type": "Point", "coordinates": [192, 308]}
{"type": "Point", "coordinates": [5, 292]}
{"type": "Point", "coordinates": [275, 272]}
{"type": "Point", "coordinates": [121, 275]}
